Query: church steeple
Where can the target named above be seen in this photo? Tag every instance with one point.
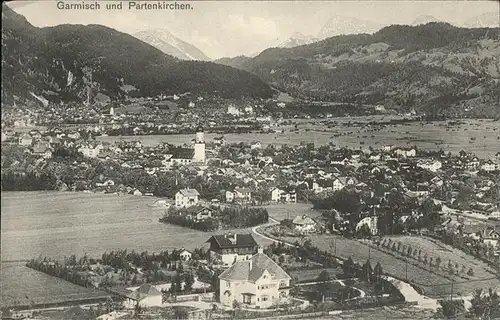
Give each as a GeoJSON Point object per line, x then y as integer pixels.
{"type": "Point", "coordinates": [199, 146]}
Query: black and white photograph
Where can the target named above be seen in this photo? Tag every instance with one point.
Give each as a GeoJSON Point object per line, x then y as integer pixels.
{"type": "Point", "coordinates": [253, 160]}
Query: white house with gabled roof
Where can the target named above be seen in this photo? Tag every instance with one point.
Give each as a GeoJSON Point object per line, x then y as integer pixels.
{"type": "Point", "coordinates": [186, 198]}
{"type": "Point", "coordinates": [256, 283]}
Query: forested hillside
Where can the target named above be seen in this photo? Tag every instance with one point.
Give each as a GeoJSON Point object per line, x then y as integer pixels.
{"type": "Point", "coordinates": [434, 68]}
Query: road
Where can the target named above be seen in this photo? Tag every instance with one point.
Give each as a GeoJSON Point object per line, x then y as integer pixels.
{"type": "Point", "coordinates": [271, 223]}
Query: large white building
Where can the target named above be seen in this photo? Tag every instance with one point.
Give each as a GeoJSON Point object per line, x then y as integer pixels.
{"type": "Point", "coordinates": [256, 283]}
{"type": "Point", "coordinates": [185, 198]}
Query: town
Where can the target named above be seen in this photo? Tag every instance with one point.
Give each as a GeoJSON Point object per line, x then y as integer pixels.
{"type": "Point", "coordinates": [310, 202]}
{"type": "Point", "coordinates": [253, 160]}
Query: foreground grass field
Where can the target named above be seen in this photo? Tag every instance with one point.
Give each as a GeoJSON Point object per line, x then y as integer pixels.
{"type": "Point", "coordinates": [38, 288]}
{"type": "Point", "coordinates": [58, 224]}
{"type": "Point", "coordinates": [434, 285]}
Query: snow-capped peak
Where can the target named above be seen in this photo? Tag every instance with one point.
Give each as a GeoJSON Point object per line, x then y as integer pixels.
{"type": "Point", "coordinates": [168, 43]}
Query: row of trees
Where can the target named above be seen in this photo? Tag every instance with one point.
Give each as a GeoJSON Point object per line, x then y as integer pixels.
{"type": "Point", "coordinates": [416, 253]}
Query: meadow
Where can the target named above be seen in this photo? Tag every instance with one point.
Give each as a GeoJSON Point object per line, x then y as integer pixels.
{"type": "Point", "coordinates": [21, 286]}
{"type": "Point", "coordinates": [481, 137]}
{"type": "Point", "coordinates": [58, 224]}
{"type": "Point", "coordinates": [434, 285]}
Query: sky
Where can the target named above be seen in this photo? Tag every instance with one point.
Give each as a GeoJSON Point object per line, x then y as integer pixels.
{"type": "Point", "coordinates": [232, 28]}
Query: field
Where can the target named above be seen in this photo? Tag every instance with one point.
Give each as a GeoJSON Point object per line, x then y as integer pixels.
{"type": "Point", "coordinates": [447, 253]}
{"type": "Point", "coordinates": [434, 285]}
{"type": "Point", "coordinates": [424, 135]}
{"type": "Point", "coordinates": [38, 287]}
{"type": "Point", "coordinates": [58, 224]}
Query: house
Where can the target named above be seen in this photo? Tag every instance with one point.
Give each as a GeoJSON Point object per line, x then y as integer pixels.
{"type": "Point", "coordinates": [107, 183]}
{"type": "Point", "coordinates": [233, 110]}
{"type": "Point", "coordinates": [185, 255]}
{"type": "Point", "coordinates": [490, 166]}
{"type": "Point", "coordinates": [490, 236]}
{"type": "Point", "coordinates": [255, 145]}
{"type": "Point", "coordinates": [90, 151]}
{"type": "Point", "coordinates": [145, 296]}
{"type": "Point", "coordinates": [342, 182]}
{"type": "Point", "coordinates": [472, 164]}
{"type": "Point", "coordinates": [370, 222]}
{"type": "Point", "coordinates": [239, 194]}
{"type": "Point", "coordinates": [436, 182]}
{"type": "Point", "coordinates": [405, 153]}
{"type": "Point", "coordinates": [199, 213]}
{"type": "Point", "coordinates": [430, 165]}
{"type": "Point", "coordinates": [283, 195]}
{"type": "Point", "coordinates": [229, 248]}
{"type": "Point", "coordinates": [25, 140]}
{"type": "Point", "coordinates": [218, 141]}
{"type": "Point", "coordinates": [304, 223]}
{"type": "Point", "coordinates": [248, 109]}
{"type": "Point", "coordinates": [42, 149]}
{"type": "Point", "coordinates": [186, 197]}
{"type": "Point", "coordinates": [256, 283]}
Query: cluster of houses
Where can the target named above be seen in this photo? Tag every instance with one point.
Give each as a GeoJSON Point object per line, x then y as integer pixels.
{"type": "Point", "coordinates": [249, 276]}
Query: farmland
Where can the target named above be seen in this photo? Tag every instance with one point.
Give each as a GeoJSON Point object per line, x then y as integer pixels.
{"type": "Point", "coordinates": [433, 284]}
{"type": "Point", "coordinates": [477, 136]}
{"type": "Point", "coordinates": [447, 253]}
{"type": "Point", "coordinates": [58, 224]}
{"type": "Point", "coordinates": [38, 288]}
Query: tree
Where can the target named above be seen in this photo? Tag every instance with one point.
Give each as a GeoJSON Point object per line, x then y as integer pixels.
{"type": "Point", "coordinates": [470, 272]}
{"type": "Point", "coordinates": [188, 282]}
{"type": "Point", "coordinates": [348, 268]}
{"type": "Point", "coordinates": [485, 305]}
{"type": "Point", "coordinates": [438, 262]}
{"type": "Point", "coordinates": [449, 309]}
{"type": "Point", "coordinates": [367, 271]}
{"type": "Point", "coordinates": [377, 272]}
{"type": "Point", "coordinates": [324, 276]}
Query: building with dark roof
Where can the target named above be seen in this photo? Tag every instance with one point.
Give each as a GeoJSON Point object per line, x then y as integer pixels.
{"type": "Point", "coordinates": [257, 283]}
{"type": "Point", "coordinates": [226, 249]}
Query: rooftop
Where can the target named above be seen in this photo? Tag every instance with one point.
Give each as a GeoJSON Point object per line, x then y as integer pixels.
{"type": "Point", "coordinates": [225, 241]}
{"type": "Point", "coordinates": [189, 192]}
{"type": "Point", "coordinates": [253, 269]}
{"type": "Point", "coordinates": [144, 291]}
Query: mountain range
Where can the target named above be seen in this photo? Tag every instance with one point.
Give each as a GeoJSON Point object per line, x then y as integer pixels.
{"type": "Point", "coordinates": [60, 63]}
{"type": "Point", "coordinates": [297, 39]}
{"type": "Point", "coordinates": [342, 25]}
{"type": "Point", "coordinates": [168, 43]}
{"type": "Point", "coordinates": [434, 68]}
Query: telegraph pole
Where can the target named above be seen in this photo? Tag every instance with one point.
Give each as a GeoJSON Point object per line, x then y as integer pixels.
{"type": "Point", "coordinates": [406, 268]}
{"type": "Point", "coordinates": [451, 293]}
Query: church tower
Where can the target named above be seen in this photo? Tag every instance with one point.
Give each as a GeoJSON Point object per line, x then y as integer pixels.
{"type": "Point", "coordinates": [199, 146]}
